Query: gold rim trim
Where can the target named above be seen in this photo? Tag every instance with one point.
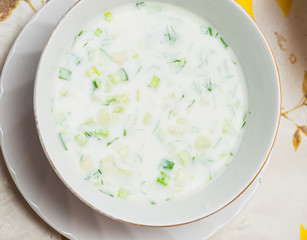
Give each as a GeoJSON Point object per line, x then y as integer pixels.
{"type": "Point", "coordinates": [165, 226]}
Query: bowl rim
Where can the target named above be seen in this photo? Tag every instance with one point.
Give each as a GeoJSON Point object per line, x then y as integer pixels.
{"type": "Point", "coordinates": [252, 22]}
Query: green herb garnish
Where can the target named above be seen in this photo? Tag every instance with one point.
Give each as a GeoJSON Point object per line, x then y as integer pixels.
{"type": "Point", "coordinates": [225, 44]}
{"type": "Point", "coordinates": [62, 141]}
{"type": "Point", "coordinates": [109, 143]}
{"type": "Point", "coordinates": [191, 104]}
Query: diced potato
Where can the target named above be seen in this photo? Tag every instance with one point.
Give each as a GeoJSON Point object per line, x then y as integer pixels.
{"type": "Point", "coordinates": [122, 150]}
{"type": "Point", "coordinates": [86, 163]}
{"type": "Point", "coordinates": [108, 164]}
{"type": "Point", "coordinates": [180, 175]}
{"type": "Point", "coordinates": [104, 117]}
{"type": "Point", "coordinates": [228, 127]}
{"type": "Point", "coordinates": [119, 57]}
{"type": "Point", "coordinates": [176, 130]}
{"type": "Point", "coordinates": [182, 121]}
{"type": "Point", "coordinates": [202, 142]}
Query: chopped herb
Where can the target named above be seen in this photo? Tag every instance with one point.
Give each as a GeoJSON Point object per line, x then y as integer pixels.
{"type": "Point", "coordinates": [88, 134]}
{"type": "Point", "coordinates": [99, 171]}
{"type": "Point", "coordinates": [231, 154]}
{"type": "Point", "coordinates": [125, 133]}
{"type": "Point", "coordinates": [163, 179]}
{"type": "Point", "coordinates": [178, 65]}
{"type": "Point", "coordinates": [170, 113]}
{"type": "Point", "coordinates": [98, 32]}
{"type": "Point", "coordinates": [166, 164]}
{"type": "Point", "coordinates": [216, 35]}
{"type": "Point", "coordinates": [210, 31]}
{"type": "Point", "coordinates": [154, 82]}
{"type": "Point", "coordinates": [85, 44]}
{"type": "Point", "coordinates": [95, 84]}
{"type": "Point", "coordinates": [109, 143]}
{"type": "Point", "coordinates": [218, 141]}
{"type": "Point", "coordinates": [193, 158]}
{"type": "Point", "coordinates": [244, 120]}
{"type": "Point", "coordinates": [210, 177]}
{"type": "Point", "coordinates": [62, 141]}
{"type": "Point", "coordinates": [139, 69]}
{"type": "Point", "coordinates": [197, 87]}
{"type": "Point", "coordinates": [106, 193]}
{"type": "Point", "coordinates": [191, 104]}
{"type": "Point", "coordinates": [225, 44]}
{"type": "Point", "coordinates": [171, 35]}
{"type": "Point", "coordinates": [234, 63]}
{"type": "Point", "coordinates": [156, 127]}
{"type": "Point", "coordinates": [182, 96]}
{"type": "Point", "coordinates": [80, 33]}
{"type": "Point", "coordinates": [140, 4]}
{"type": "Point", "coordinates": [108, 17]}
{"type": "Point", "coordinates": [153, 203]}
{"type": "Point", "coordinates": [65, 74]}
{"type": "Point", "coordinates": [209, 85]}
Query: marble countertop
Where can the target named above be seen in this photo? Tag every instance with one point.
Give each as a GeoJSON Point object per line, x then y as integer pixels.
{"type": "Point", "coordinates": [278, 210]}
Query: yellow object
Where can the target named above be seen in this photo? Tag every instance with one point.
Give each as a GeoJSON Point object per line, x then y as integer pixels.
{"type": "Point", "coordinates": [248, 6]}
{"type": "Point", "coordinates": [303, 233]}
{"type": "Point", "coordinates": [285, 6]}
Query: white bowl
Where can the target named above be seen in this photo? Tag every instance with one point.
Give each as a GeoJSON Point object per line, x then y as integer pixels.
{"type": "Point", "coordinates": [264, 99]}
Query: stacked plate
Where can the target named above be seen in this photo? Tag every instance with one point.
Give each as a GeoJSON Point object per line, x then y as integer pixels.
{"type": "Point", "coordinates": [33, 175]}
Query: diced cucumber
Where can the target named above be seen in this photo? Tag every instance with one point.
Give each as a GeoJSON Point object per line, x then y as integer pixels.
{"type": "Point", "coordinates": [123, 193]}
{"type": "Point", "coordinates": [154, 82]}
{"type": "Point", "coordinates": [147, 119]}
{"type": "Point", "coordinates": [108, 16]}
{"type": "Point", "coordinates": [81, 140]}
{"type": "Point", "coordinates": [92, 72]}
{"type": "Point", "coordinates": [118, 109]}
{"type": "Point", "coordinates": [184, 157]}
{"type": "Point", "coordinates": [102, 132]}
{"type": "Point", "coordinates": [123, 75]}
{"type": "Point", "coordinates": [64, 74]}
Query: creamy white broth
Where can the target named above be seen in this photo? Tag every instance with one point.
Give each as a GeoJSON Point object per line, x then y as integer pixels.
{"type": "Point", "coordinates": [149, 102]}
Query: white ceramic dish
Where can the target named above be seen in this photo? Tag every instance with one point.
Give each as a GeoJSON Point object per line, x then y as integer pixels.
{"type": "Point", "coordinates": [264, 103]}
{"type": "Point", "coordinates": [34, 177]}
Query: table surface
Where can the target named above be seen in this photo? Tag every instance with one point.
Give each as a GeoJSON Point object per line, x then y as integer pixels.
{"type": "Point", "coordinates": [278, 210]}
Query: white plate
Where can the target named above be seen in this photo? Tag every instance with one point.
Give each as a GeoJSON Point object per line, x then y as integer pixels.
{"type": "Point", "coordinates": [33, 175]}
